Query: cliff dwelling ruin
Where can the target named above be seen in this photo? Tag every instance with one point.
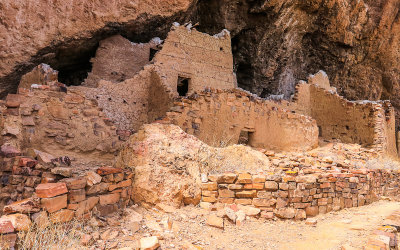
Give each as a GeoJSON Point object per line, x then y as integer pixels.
{"type": "Point", "coordinates": [160, 122]}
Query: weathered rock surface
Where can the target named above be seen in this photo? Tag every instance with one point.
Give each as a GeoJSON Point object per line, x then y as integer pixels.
{"type": "Point", "coordinates": [276, 43]}
{"type": "Point", "coordinates": [62, 33]}
{"type": "Point", "coordinates": [168, 164]}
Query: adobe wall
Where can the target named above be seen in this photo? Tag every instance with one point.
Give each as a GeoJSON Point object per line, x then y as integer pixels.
{"type": "Point", "coordinates": [206, 60]}
{"type": "Point", "coordinates": [117, 59]}
{"type": "Point", "coordinates": [367, 123]}
{"type": "Point", "coordinates": [288, 196]}
{"type": "Point", "coordinates": [147, 96]}
{"type": "Point", "coordinates": [57, 123]}
{"type": "Point", "coordinates": [217, 117]}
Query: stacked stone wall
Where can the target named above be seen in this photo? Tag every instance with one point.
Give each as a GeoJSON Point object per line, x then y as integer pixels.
{"type": "Point", "coordinates": [206, 60]}
{"type": "Point", "coordinates": [367, 123]}
{"type": "Point", "coordinates": [55, 122]}
{"type": "Point", "coordinates": [291, 196]}
{"type": "Point", "coordinates": [37, 191]}
{"type": "Point", "coordinates": [218, 117]}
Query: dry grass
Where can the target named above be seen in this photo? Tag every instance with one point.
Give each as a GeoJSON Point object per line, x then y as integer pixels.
{"type": "Point", "coordinates": [53, 236]}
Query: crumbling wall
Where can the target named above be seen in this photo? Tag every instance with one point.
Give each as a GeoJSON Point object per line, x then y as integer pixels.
{"type": "Point", "coordinates": [203, 59]}
{"type": "Point", "coordinates": [57, 122]}
{"type": "Point", "coordinates": [117, 59]}
{"type": "Point", "coordinates": [160, 98]}
{"type": "Point", "coordinates": [362, 122]}
{"type": "Point", "coordinates": [220, 117]}
{"type": "Point", "coordinates": [288, 196]}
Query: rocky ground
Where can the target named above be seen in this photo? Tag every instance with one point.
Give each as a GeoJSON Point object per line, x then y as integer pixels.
{"type": "Point", "coordinates": [187, 228]}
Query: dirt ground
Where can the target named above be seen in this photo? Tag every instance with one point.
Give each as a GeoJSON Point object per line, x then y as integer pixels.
{"type": "Point", "coordinates": [189, 231]}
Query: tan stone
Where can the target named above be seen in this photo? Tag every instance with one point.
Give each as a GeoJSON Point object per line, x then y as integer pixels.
{"type": "Point", "coordinates": [62, 216]}
{"type": "Point", "coordinates": [244, 178]}
{"type": "Point", "coordinates": [49, 190]}
{"type": "Point", "coordinates": [76, 195]}
{"type": "Point", "coordinates": [215, 221]}
{"type": "Point", "coordinates": [30, 205]}
{"type": "Point", "coordinates": [109, 198]}
{"type": "Point", "coordinates": [20, 222]}
{"type": "Point", "coordinates": [54, 204]}
{"type": "Point", "coordinates": [271, 186]}
{"type": "Point", "coordinates": [211, 186]}
{"type": "Point", "coordinates": [92, 178]}
{"type": "Point", "coordinates": [6, 226]}
{"type": "Point", "coordinates": [246, 194]}
{"type": "Point", "coordinates": [226, 193]}
{"type": "Point", "coordinates": [149, 243]}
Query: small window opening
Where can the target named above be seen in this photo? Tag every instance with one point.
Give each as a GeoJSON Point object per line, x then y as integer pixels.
{"type": "Point", "coordinates": [245, 137]}
{"type": "Point", "coordinates": [153, 52]}
{"type": "Point", "coordinates": [347, 127]}
{"type": "Point", "coordinates": [319, 131]}
{"type": "Point", "coordinates": [183, 86]}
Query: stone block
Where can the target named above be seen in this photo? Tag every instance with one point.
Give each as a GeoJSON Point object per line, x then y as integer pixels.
{"type": "Point", "coordinates": [6, 226]}
{"type": "Point", "coordinates": [211, 186]}
{"type": "Point", "coordinates": [63, 171]}
{"type": "Point", "coordinates": [108, 170]}
{"type": "Point", "coordinates": [75, 183]}
{"type": "Point", "coordinates": [20, 222]}
{"type": "Point", "coordinates": [227, 178]}
{"type": "Point", "coordinates": [226, 193]}
{"type": "Point", "coordinates": [257, 186]}
{"type": "Point", "coordinates": [259, 202]}
{"type": "Point", "coordinates": [54, 204]}
{"type": "Point", "coordinates": [258, 178]}
{"type": "Point", "coordinates": [27, 206]}
{"type": "Point", "coordinates": [285, 213]}
{"type": "Point", "coordinates": [209, 199]}
{"type": "Point", "coordinates": [97, 189]}
{"type": "Point", "coordinates": [243, 201]}
{"type": "Point", "coordinates": [92, 178]}
{"type": "Point", "coordinates": [76, 195]}
{"type": "Point", "coordinates": [49, 190]}
{"type": "Point", "coordinates": [312, 211]}
{"type": "Point", "coordinates": [244, 178]}
{"type": "Point", "coordinates": [104, 210]}
{"type": "Point", "coordinates": [27, 162]}
{"type": "Point", "coordinates": [271, 186]}
{"type": "Point", "coordinates": [109, 199]}
{"type": "Point", "coordinates": [62, 216]}
{"type": "Point", "coordinates": [235, 186]}
{"type": "Point", "coordinates": [246, 194]}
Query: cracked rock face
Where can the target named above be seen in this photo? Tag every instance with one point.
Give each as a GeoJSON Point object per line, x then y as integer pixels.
{"type": "Point", "coordinates": [61, 33]}
{"type": "Point", "coordinates": [275, 43]}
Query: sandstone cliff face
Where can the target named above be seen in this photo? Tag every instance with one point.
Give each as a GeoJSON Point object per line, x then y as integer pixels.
{"type": "Point", "coordinates": [61, 33]}
{"type": "Point", "coordinates": [275, 43]}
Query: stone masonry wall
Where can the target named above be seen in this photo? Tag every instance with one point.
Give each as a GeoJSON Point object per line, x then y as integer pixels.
{"type": "Point", "coordinates": [292, 196]}
{"type": "Point", "coordinates": [37, 189]}
{"type": "Point", "coordinates": [218, 117]}
{"type": "Point", "coordinates": [367, 123]}
{"type": "Point", "coordinates": [117, 59]}
{"type": "Point", "coordinates": [203, 59]}
{"type": "Point", "coordinates": [55, 122]}
{"type": "Point", "coordinates": [206, 60]}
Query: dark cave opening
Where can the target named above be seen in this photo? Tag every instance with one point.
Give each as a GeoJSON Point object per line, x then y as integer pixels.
{"type": "Point", "coordinates": [76, 71]}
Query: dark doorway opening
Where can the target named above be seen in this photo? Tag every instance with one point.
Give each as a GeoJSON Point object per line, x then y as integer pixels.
{"type": "Point", "coordinates": [153, 52]}
{"type": "Point", "coordinates": [245, 137]}
{"type": "Point", "coordinates": [183, 86]}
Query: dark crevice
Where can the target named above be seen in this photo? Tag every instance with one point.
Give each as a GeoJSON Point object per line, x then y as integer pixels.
{"type": "Point", "coordinates": [71, 57]}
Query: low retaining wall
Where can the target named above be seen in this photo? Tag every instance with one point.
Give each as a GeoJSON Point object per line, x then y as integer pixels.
{"type": "Point", "coordinates": [57, 193]}
{"type": "Point", "coordinates": [287, 196]}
